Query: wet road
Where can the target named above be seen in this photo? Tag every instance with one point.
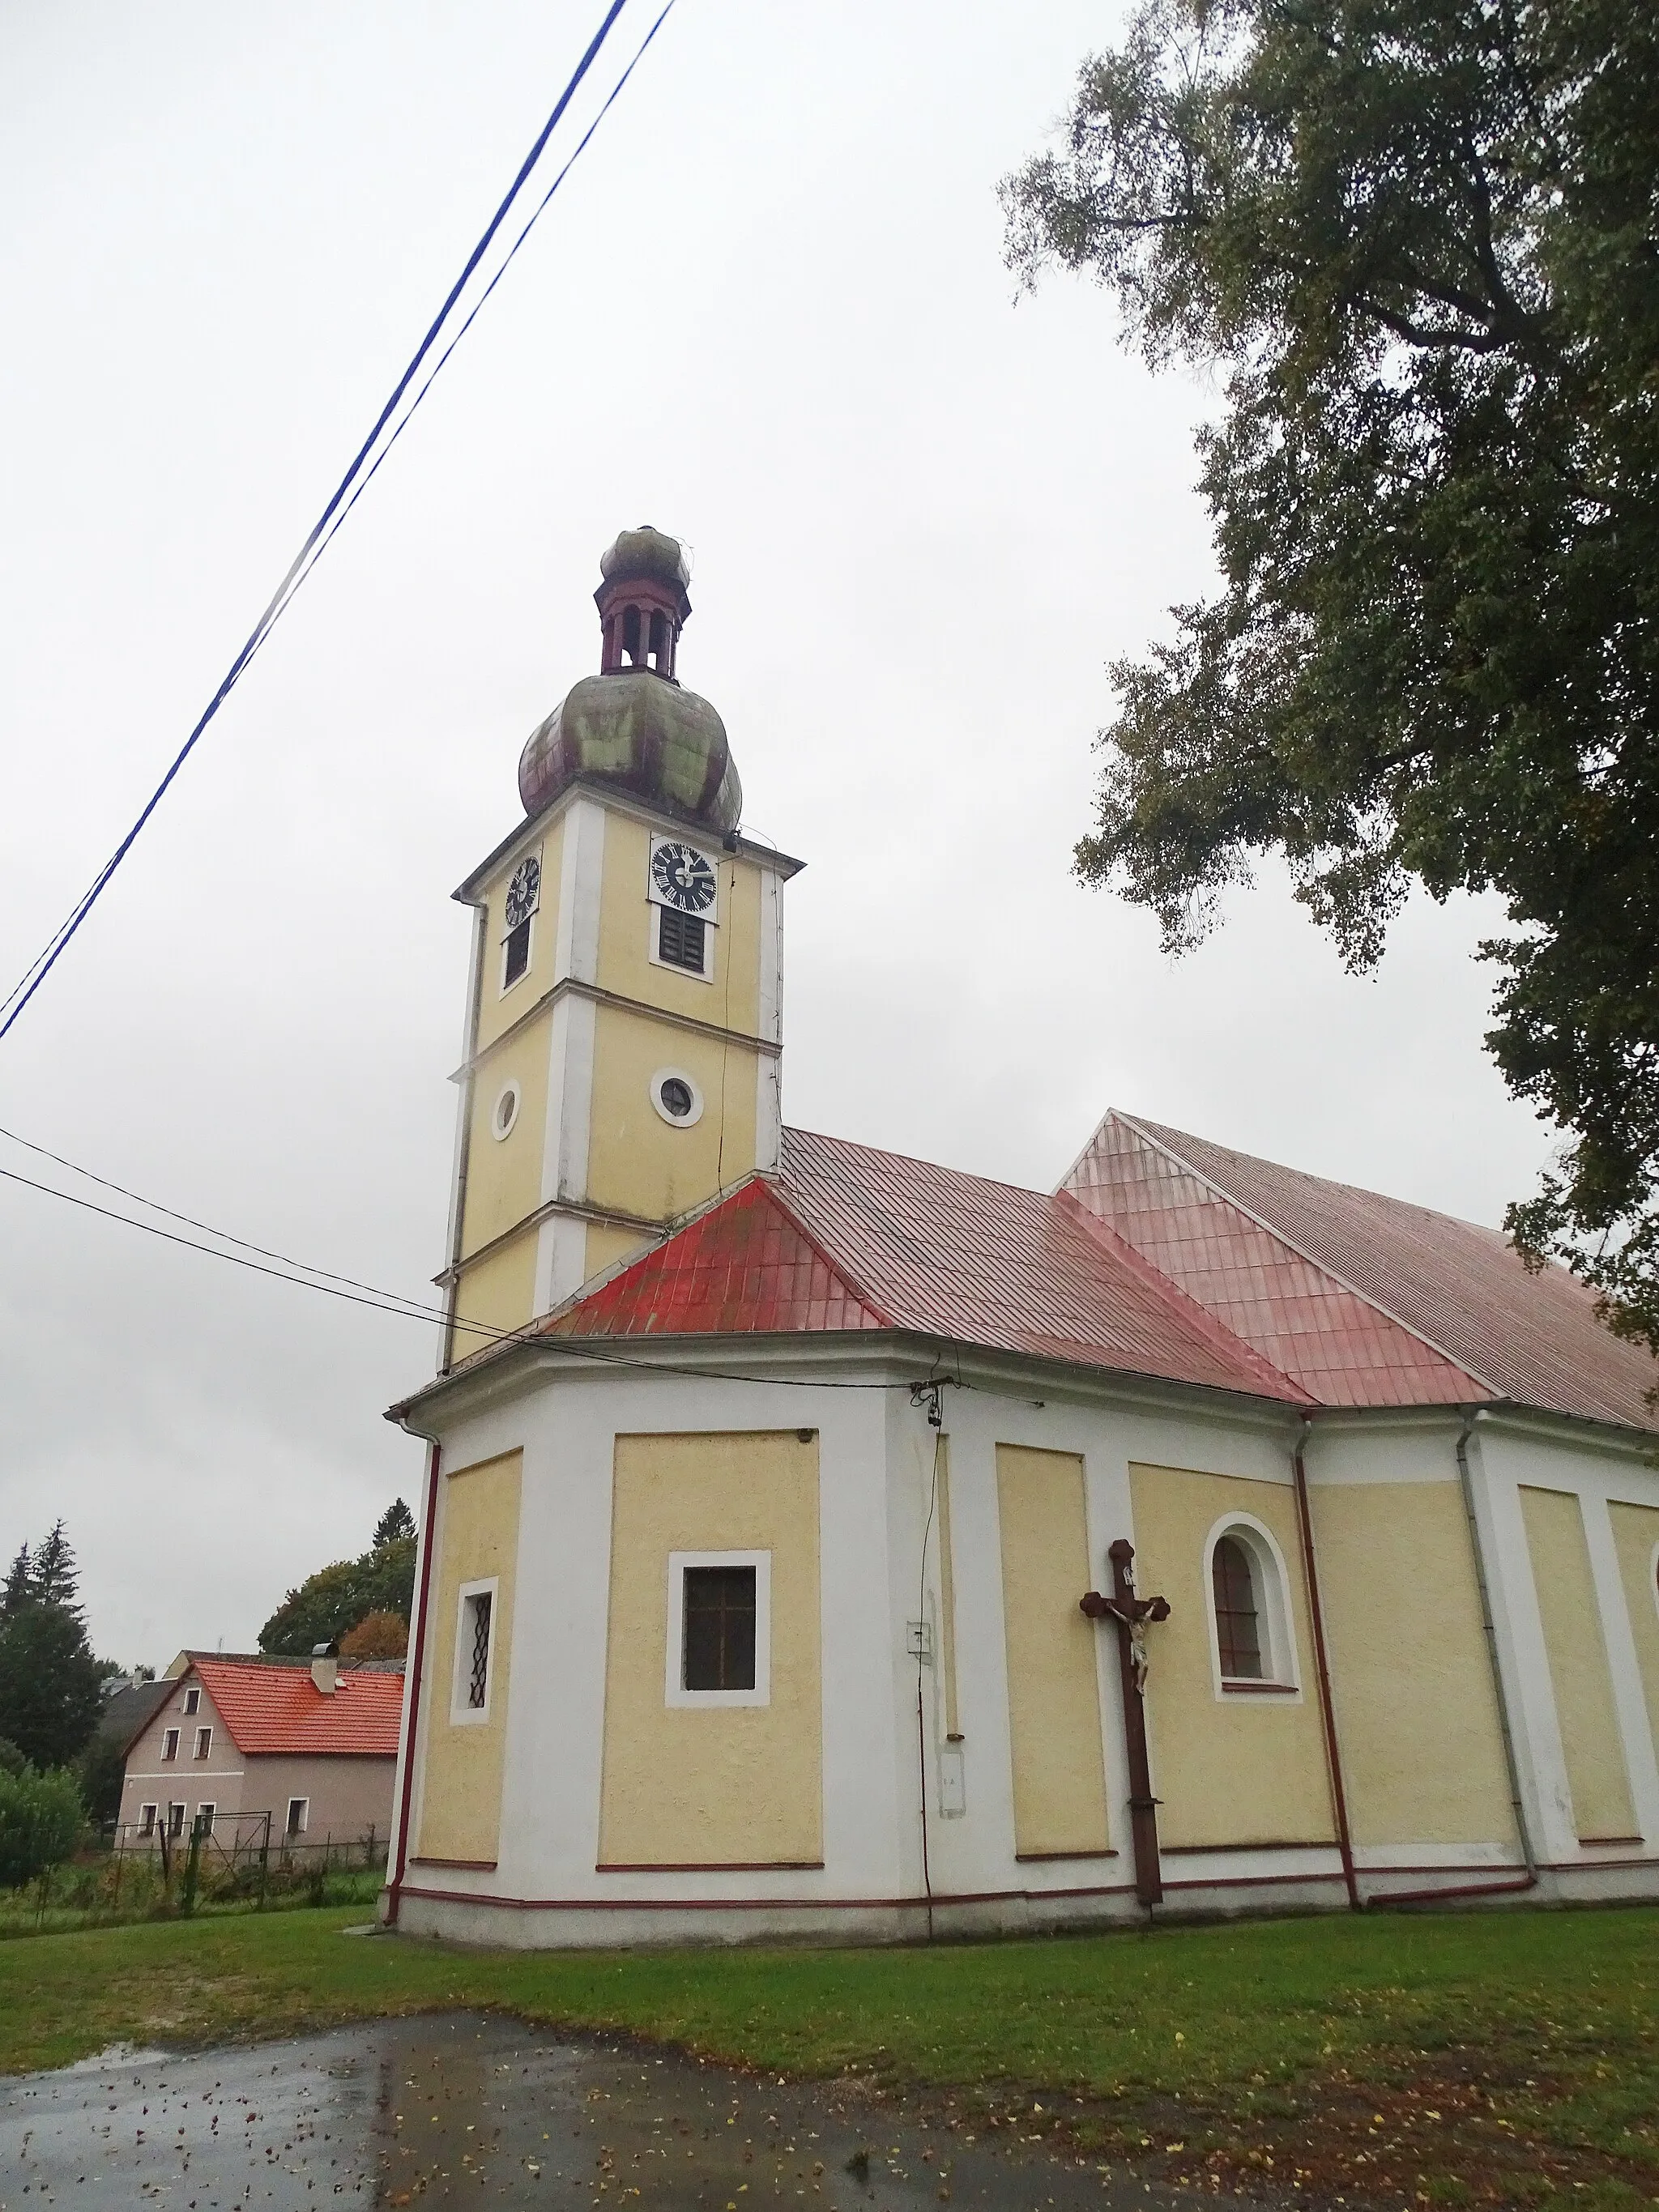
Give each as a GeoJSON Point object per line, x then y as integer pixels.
{"type": "Point", "coordinates": [474, 2110]}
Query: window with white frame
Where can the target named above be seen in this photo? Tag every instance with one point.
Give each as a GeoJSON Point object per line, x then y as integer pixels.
{"type": "Point", "coordinates": [147, 1820]}
{"type": "Point", "coordinates": [205, 1815]}
{"type": "Point", "coordinates": [475, 1652]}
{"type": "Point", "coordinates": [204, 1741]}
{"type": "Point", "coordinates": [170, 1744]}
{"type": "Point", "coordinates": [719, 1629]}
{"type": "Point", "coordinates": [175, 1819]}
{"type": "Point", "coordinates": [298, 1814]}
{"type": "Point", "coordinates": [1252, 1645]}
{"type": "Point", "coordinates": [193, 1701]}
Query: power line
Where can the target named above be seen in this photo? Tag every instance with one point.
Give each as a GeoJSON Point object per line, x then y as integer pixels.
{"type": "Point", "coordinates": [46, 959]}
{"type": "Point", "coordinates": [394, 1302]}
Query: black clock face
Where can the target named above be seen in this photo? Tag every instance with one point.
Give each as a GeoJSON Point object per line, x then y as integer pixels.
{"type": "Point", "coordinates": [524, 890]}
{"type": "Point", "coordinates": [683, 876]}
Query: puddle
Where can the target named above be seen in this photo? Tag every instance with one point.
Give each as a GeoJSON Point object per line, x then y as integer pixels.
{"type": "Point", "coordinates": [474, 2109]}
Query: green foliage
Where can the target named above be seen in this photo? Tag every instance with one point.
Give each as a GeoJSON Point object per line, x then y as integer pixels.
{"type": "Point", "coordinates": [12, 1760]}
{"type": "Point", "coordinates": [41, 1819]}
{"type": "Point", "coordinates": [1418, 238]}
{"type": "Point", "coordinates": [49, 1679]}
{"type": "Point", "coordinates": [329, 1604]}
{"type": "Point", "coordinates": [101, 1770]}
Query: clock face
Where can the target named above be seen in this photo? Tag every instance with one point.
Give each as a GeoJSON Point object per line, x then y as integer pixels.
{"type": "Point", "coordinates": [682, 877]}
{"type": "Point", "coordinates": [524, 890]}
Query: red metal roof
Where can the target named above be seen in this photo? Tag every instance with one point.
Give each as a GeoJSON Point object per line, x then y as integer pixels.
{"type": "Point", "coordinates": [848, 1238]}
{"type": "Point", "coordinates": [1365, 1299]}
{"type": "Point", "coordinates": [280, 1709]}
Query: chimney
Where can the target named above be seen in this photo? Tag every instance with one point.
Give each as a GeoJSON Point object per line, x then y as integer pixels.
{"type": "Point", "coordinates": [325, 1668]}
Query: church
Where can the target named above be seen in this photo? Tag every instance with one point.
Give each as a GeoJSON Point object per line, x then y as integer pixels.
{"type": "Point", "coordinates": [819, 1544]}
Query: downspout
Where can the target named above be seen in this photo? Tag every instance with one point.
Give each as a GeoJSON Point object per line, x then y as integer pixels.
{"type": "Point", "coordinates": [1321, 1668]}
{"type": "Point", "coordinates": [1471, 1414]}
{"type": "Point", "coordinates": [399, 1858]}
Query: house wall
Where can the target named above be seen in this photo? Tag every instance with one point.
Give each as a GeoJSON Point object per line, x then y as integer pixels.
{"type": "Point", "coordinates": [348, 1796]}
{"type": "Point", "coordinates": [1636, 1538]}
{"type": "Point", "coordinates": [220, 1779]}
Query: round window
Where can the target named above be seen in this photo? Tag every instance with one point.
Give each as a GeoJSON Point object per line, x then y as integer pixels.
{"type": "Point", "coordinates": [506, 1112]}
{"type": "Point", "coordinates": [676, 1097]}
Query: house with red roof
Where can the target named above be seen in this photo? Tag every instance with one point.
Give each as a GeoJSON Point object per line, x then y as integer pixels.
{"type": "Point", "coordinates": [821, 1543]}
{"type": "Point", "coordinates": [312, 1744]}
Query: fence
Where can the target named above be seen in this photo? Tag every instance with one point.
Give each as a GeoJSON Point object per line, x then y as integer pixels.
{"type": "Point", "coordinates": [232, 1854]}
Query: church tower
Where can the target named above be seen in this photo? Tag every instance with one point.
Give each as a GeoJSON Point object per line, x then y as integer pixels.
{"type": "Point", "coordinates": [625, 1022]}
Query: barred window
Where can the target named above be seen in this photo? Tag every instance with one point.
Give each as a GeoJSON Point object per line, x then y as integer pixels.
{"type": "Point", "coordinates": [1238, 1630]}
{"type": "Point", "coordinates": [477, 1679]}
{"type": "Point", "coordinates": [719, 1629]}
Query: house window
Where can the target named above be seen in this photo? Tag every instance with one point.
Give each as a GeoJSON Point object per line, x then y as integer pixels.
{"type": "Point", "coordinates": [175, 1819]}
{"type": "Point", "coordinates": [204, 1741]}
{"type": "Point", "coordinates": [298, 1813]}
{"type": "Point", "coordinates": [681, 939]}
{"type": "Point", "coordinates": [719, 1628]}
{"type": "Point", "coordinates": [515, 953]}
{"type": "Point", "coordinates": [193, 1701]}
{"type": "Point", "coordinates": [204, 1817]}
{"type": "Point", "coordinates": [1238, 1628]}
{"type": "Point", "coordinates": [170, 1744]}
{"type": "Point", "coordinates": [475, 1653]}
{"type": "Point", "coordinates": [147, 1820]}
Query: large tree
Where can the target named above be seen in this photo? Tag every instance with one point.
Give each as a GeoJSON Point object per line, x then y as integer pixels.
{"type": "Point", "coordinates": [330, 1603]}
{"type": "Point", "coordinates": [1417, 241]}
{"type": "Point", "coordinates": [50, 1696]}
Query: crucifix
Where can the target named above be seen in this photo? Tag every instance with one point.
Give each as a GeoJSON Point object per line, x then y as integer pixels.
{"type": "Point", "coordinates": [1130, 1614]}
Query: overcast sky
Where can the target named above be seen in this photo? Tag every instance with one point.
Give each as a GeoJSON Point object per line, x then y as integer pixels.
{"type": "Point", "coordinates": [767, 313]}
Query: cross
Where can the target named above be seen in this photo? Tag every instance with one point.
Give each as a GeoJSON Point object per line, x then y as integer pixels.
{"type": "Point", "coordinates": [1130, 1614]}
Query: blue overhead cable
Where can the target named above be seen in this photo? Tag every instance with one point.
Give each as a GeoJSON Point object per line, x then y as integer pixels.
{"type": "Point", "coordinates": [346, 494]}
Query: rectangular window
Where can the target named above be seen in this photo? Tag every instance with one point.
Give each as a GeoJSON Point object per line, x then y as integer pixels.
{"type": "Point", "coordinates": [204, 1741]}
{"type": "Point", "coordinates": [515, 953]}
{"type": "Point", "coordinates": [719, 1608]}
{"type": "Point", "coordinates": [719, 1629]}
{"type": "Point", "coordinates": [205, 1815]}
{"type": "Point", "coordinates": [193, 1701]}
{"type": "Point", "coordinates": [299, 1811]}
{"type": "Point", "coordinates": [681, 939]}
{"type": "Point", "coordinates": [170, 1744]}
{"type": "Point", "coordinates": [175, 1819]}
{"type": "Point", "coordinates": [147, 1820]}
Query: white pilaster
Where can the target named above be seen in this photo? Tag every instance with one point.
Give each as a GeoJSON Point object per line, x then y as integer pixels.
{"type": "Point", "coordinates": [576, 947]}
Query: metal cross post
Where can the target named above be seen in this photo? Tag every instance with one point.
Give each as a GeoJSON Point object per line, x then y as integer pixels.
{"type": "Point", "coordinates": [1131, 1613]}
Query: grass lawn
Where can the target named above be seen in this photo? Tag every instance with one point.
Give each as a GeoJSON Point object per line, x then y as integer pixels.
{"type": "Point", "coordinates": [1478, 2059]}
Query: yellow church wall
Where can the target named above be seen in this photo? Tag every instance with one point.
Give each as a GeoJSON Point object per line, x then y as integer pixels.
{"type": "Point", "coordinates": [497, 1009]}
{"type": "Point", "coordinates": [1579, 1673]}
{"type": "Point", "coordinates": [1234, 1768]}
{"type": "Point", "coordinates": [729, 1785]}
{"type": "Point", "coordinates": [1054, 1688]}
{"type": "Point", "coordinates": [504, 1175]}
{"type": "Point", "coordinates": [731, 1000]}
{"type": "Point", "coordinates": [498, 1292]}
{"type": "Point", "coordinates": [639, 1164]}
{"type": "Point", "coordinates": [606, 1245]}
{"type": "Point", "coordinates": [461, 1778]}
{"type": "Point", "coordinates": [1635, 1535]}
{"type": "Point", "coordinates": [1417, 1715]}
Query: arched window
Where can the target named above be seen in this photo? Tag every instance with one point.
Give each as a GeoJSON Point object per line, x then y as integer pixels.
{"type": "Point", "coordinates": [1238, 1613]}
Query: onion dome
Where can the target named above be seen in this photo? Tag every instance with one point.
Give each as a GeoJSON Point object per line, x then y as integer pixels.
{"type": "Point", "coordinates": [633, 724]}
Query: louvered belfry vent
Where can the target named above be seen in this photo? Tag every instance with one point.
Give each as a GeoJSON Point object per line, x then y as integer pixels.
{"type": "Point", "coordinates": [681, 939]}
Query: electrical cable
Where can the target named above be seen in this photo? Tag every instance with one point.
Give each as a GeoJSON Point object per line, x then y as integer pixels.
{"type": "Point", "coordinates": [393, 1302]}
{"type": "Point", "coordinates": [40, 967]}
